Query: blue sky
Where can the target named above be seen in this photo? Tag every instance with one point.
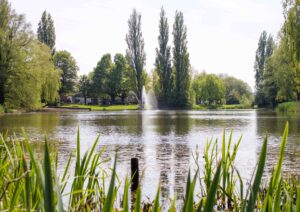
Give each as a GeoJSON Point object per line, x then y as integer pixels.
{"type": "Point", "coordinates": [222, 34]}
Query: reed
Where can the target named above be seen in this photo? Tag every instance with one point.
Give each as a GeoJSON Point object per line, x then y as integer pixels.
{"type": "Point", "coordinates": [31, 183]}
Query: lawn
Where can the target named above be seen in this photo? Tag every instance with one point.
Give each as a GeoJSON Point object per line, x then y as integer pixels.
{"type": "Point", "coordinates": [98, 107]}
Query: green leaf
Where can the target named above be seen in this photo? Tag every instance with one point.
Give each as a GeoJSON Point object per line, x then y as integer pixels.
{"type": "Point", "coordinates": [258, 177]}
{"type": "Point", "coordinates": [108, 204]}
{"type": "Point", "coordinates": [48, 187]}
{"type": "Point", "coordinates": [210, 201]}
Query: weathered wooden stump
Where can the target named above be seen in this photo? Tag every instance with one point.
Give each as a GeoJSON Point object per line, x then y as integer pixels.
{"type": "Point", "coordinates": [134, 173]}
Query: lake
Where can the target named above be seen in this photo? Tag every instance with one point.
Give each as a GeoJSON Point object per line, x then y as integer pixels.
{"type": "Point", "coordinates": [164, 141]}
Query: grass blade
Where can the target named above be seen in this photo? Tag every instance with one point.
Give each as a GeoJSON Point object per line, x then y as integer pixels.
{"type": "Point", "coordinates": [210, 201]}
{"type": "Point", "coordinates": [258, 177]}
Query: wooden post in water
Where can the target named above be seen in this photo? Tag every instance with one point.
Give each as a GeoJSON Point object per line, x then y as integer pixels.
{"type": "Point", "coordinates": [134, 173]}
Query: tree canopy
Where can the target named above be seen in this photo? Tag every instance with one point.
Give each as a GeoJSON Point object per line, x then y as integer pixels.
{"type": "Point", "coordinates": [135, 53]}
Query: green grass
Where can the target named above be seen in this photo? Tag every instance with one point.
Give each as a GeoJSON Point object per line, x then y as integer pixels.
{"type": "Point", "coordinates": [30, 182]}
{"type": "Point", "coordinates": [223, 107]}
{"type": "Point", "coordinates": [1, 109]}
{"type": "Point", "coordinates": [289, 107]}
{"type": "Point", "coordinates": [103, 108]}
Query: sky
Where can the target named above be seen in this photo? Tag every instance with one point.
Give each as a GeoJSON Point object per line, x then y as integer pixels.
{"type": "Point", "coordinates": [222, 34]}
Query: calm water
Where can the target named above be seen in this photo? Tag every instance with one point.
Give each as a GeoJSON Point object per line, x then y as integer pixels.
{"type": "Point", "coordinates": [163, 140]}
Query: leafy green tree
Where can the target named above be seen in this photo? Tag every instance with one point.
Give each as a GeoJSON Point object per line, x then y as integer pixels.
{"type": "Point", "coordinates": [84, 86]}
{"type": "Point", "coordinates": [114, 77]}
{"type": "Point", "coordinates": [135, 53]}
{"type": "Point", "coordinates": [291, 31]}
{"type": "Point", "coordinates": [67, 64]}
{"type": "Point", "coordinates": [163, 62]}
{"type": "Point", "coordinates": [279, 83]}
{"type": "Point", "coordinates": [100, 74]}
{"type": "Point", "coordinates": [259, 68]}
{"type": "Point", "coordinates": [236, 90]}
{"type": "Point", "coordinates": [181, 64]}
{"type": "Point", "coordinates": [15, 37]}
{"type": "Point", "coordinates": [46, 31]}
{"type": "Point", "coordinates": [209, 88]}
{"type": "Point", "coordinates": [50, 75]}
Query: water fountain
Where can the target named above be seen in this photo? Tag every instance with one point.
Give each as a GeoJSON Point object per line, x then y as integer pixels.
{"type": "Point", "coordinates": [149, 99]}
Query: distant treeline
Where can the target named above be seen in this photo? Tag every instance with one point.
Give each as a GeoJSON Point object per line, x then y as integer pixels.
{"type": "Point", "coordinates": [33, 72]}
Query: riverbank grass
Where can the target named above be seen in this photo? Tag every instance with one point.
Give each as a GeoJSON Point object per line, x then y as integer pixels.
{"type": "Point", "coordinates": [32, 183]}
{"type": "Point", "coordinates": [102, 108]}
{"type": "Point", "coordinates": [1, 109]}
{"type": "Point", "coordinates": [289, 107]}
{"type": "Point", "coordinates": [221, 107]}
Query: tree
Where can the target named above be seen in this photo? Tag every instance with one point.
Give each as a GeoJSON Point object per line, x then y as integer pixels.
{"type": "Point", "coordinates": [15, 37]}
{"type": "Point", "coordinates": [46, 31]}
{"type": "Point", "coordinates": [259, 68]}
{"type": "Point", "coordinates": [101, 71]}
{"type": "Point", "coordinates": [84, 86]}
{"type": "Point", "coordinates": [163, 62]}
{"type": "Point", "coordinates": [236, 90]}
{"type": "Point", "coordinates": [209, 88]}
{"type": "Point", "coordinates": [135, 52]}
{"type": "Point", "coordinates": [279, 83]}
{"type": "Point", "coordinates": [291, 31]}
{"type": "Point", "coordinates": [114, 77]}
{"type": "Point", "coordinates": [181, 63]}
{"type": "Point", "coordinates": [67, 64]}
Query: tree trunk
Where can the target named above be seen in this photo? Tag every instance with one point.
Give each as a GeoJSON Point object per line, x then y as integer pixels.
{"type": "Point", "coordinates": [123, 99]}
{"type": "Point", "coordinates": [85, 100]}
{"type": "Point", "coordinates": [112, 98]}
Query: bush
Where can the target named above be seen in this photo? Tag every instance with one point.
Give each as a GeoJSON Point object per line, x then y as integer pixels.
{"type": "Point", "coordinates": [289, 107]}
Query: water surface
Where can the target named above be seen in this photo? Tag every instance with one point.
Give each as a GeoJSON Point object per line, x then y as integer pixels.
{"type": "Point", "coordinates": [164, 141]}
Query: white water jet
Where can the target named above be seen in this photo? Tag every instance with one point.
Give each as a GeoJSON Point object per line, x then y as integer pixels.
{"type": "Point", "coordinates": [149, 99]}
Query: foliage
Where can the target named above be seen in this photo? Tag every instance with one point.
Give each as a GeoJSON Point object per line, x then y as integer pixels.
{"type": "Point", "coordinates": [67, 64]}
{"type": "Point", "coordinates": [100, 74]}
{"type": "Point", "coordinates": [46, 31]}
{"type": "Point", "coordinates": [291, 31]}
{"type": "Point", "coordinates": [279, 84]}
{"type": "Point", "coordinates": [103, 108]}
{"type": "Point", "coordinates": [209, 88]}
{"type": "Point", "coordinates": [181, 64]}
{"type": "Point", "coordinates": [264, 51]}
{"type": "Point", "coordinates": [236, 91]}
{"type": "Point", "coordinates": [135, 53]}
{"type": "Point", "coordinates": [112, 78]}
{"type": "Point", "coordinates": [84, 86]}
{"type": "Point", "coordinates": [15, 36]}
{"type": "Point", "coordinates": [163, 62]}
{"type": "Point", "coordinates": [30, 182]}
{"type": "Point", "coordinates": [289, 107]}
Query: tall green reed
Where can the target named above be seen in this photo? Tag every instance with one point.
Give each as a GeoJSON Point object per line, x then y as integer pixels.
{"type": "Point", "coordinates": [31, 183]}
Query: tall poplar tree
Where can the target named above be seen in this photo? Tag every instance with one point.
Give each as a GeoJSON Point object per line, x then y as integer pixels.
{"type": "Point", "coordinates": [291, 30]}
{"type": "Point", "coordinates": [135, 53]}
{"type": "Point", "coordinates": [46, 31]}
{"type": "Point", "coordinates": [163, 61]}
{"type": "Point", "coordinates": [259, 65]}
{"type": "Point", "coordinates": [181, 63]}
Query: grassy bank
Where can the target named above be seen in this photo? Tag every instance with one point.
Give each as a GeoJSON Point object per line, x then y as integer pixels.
{"type": "Point", "coordinates": [221, 107]}
{"type": "Point", "coordinates": [289, 107]}
{"type": "Point", "coordinates": [29, 183]}
{"type": "Point", "coordinates": [103, 108]}
{"type": "Point", "coordinates": [1, 109]}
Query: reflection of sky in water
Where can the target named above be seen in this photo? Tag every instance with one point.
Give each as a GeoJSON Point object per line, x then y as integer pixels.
{"type": "Point", "coordinates": [163, 140]}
